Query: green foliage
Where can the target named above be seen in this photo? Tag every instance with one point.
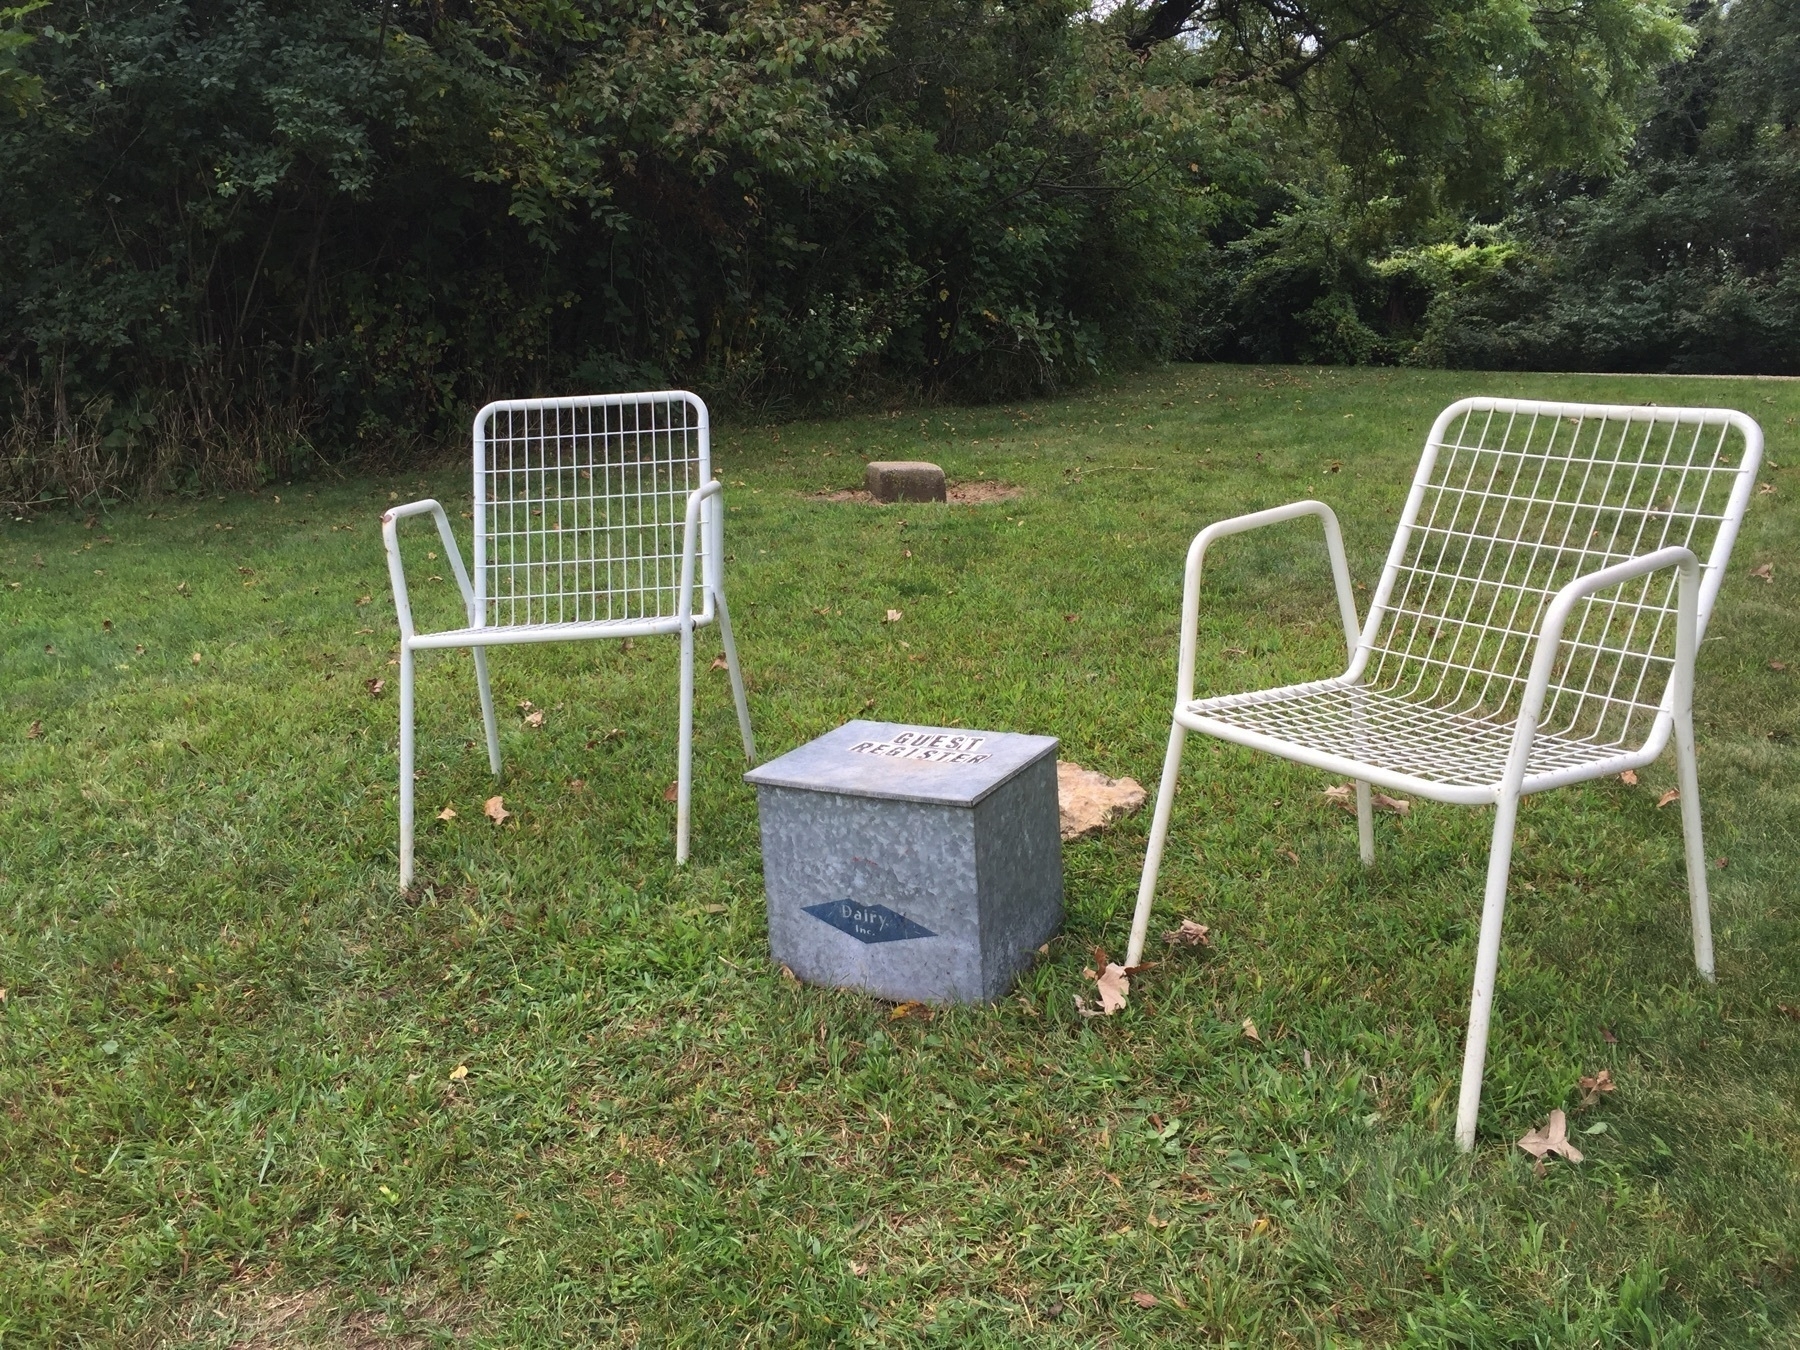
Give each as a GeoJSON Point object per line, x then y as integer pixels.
{"type": "Point", "coordinates": [346, 222]}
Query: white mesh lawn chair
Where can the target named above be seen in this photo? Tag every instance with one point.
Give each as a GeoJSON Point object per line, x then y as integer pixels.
{"type": "Point", "coordinates": [1535, 626]}
{"type": "Point", "coordinates": [589, 516]}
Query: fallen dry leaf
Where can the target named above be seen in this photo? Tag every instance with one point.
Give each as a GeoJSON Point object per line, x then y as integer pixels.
{"type": "Point", "coordinates": [460, 1072]}
{"type": "Point", "coordinates": [1607, 1036]}
{"type": "Point", "coordinates": [1190, 934]}
{"type": "Point", "coordinates": [719, 663]}
{"type": "Point", "coordinates": [34, 732]}
{"type": "Point", "coordinates": [893, 616]}
{"type": "Point", "coordinates": [534, 718]}
{"type": "Point", "coordinates": [1629, 778]}
{"type": "Point", "coordinates": [1766, 572]}
{"type": "Point", "coordinates": [448, 813]}
{"type": "Point", "coordinates": [1778, 665]}
{"type": "Point", "coordinates": [1763, 489]}
{"type": "Point", "coordinates": [1344, 795]}
{"type": "Point", "coordinates": [1112, 984]}
{"type": "Point", "coordinates": [578, 785]}
{"type": "Point", "coordinates": [363, 599]}
{"type": "Point", "coordinates": [195, 658]}
{"type": "Point", "coordinates": [495, 810]}
{"type": "Point", "coordinates": [1250, 1031]}
{"type": "Point", "coordinates": [374, 687]}
{"type": "Point", "coordinates": [1144, 1299]}
{"type": "Point", "coordinates": [787, 974]}
{"type": "Point", "coordinates": [1789, 1011]}
{"type": "Point", "coordinates": [859, 1268]}
{"type": "Point", "coordinates": [1592, 1089]}
{"type": "Point", "coordinates": [1672, 795]}
{"type": "Point", "coordinates": [526, 705]}
{"type": "Point", "coordinates": [672, 792]}
{"type": "Point", "coordinates": [1551, 1138]}
{"type": "Point", "coordinates": [905, 1010]}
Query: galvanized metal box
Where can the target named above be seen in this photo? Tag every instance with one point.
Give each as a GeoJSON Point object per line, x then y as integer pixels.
{"type": "Point", "coordinates": [912, 862]}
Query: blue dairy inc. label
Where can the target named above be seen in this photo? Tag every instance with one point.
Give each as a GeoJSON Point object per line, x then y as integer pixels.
{"type": "Point", "coordinates": [868, 923]}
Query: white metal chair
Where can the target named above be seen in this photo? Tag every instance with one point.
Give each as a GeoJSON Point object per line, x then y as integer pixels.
{"type": "Point", "coordinates": [589, 515]}
{"type": "Point", "coordinates": [1535, 626]}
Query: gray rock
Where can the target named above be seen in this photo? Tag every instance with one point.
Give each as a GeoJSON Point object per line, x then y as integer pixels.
{"type": "Point", "coordinates": [916, 863]}
{"type": "Point", "coordinates": [904, 480]}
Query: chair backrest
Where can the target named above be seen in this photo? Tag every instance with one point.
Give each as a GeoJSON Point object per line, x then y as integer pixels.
{"type": "Point", "coordinates": [1514, 499]}
{"type": "Point", "coordinates": [580, 503]}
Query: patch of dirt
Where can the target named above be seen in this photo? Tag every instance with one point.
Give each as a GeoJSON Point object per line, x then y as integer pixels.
{"type": "Point", "coordinates": [978, 493]}
{"type": "Point", "coordinates": [249, 1315]}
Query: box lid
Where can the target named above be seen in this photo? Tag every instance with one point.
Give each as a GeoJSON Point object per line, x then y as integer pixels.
{"type": "Point", "coordinates": [955, 766]}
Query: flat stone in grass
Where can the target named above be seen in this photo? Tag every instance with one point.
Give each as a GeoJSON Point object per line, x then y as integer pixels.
{"type": "Point", "coordinates": [915, 863]}
{"type": "Point", "coordinates": [904, 480]}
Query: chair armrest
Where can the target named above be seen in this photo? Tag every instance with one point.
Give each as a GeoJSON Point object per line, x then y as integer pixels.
{"type": "Point", "coordinates": [1275, 515]}
{"type": "Point", "coordinates": [1556, 617]}
{"type": "Point", "coordinates": [390, 538]}
{"type": "Point", "coordinates": [689, 544]}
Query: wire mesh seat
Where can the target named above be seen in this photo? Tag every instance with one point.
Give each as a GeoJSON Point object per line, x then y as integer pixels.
{"type": "Point", "coordinates": [594, 517]}
{"type": "Point", "coordinates": [1535, 625]}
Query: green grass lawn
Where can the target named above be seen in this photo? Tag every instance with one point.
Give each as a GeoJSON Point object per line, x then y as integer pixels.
{"type": "Point", "coordinates": [232, 1102]}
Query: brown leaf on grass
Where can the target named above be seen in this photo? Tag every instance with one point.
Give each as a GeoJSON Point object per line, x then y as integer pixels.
{"type": "Point", "coordinates": [1778, 665]}
{"type": "Point", "coordinates": [1766, 572]}
{"type": "Point", "coordinates": [1629, 778]}
{"type": "Point", "coordinates": [195, 658]}
{"type": "Point", "coordinates": [1155, 1220]}
{"type": "Point", "coordinates": [1189, 934]}
{"type": "Point", "coordinates": [447, 814]}
{"type": "Point", "coordinates": [893, 616]}
{"type": "Point", "coordinates": [495, 810]}
{"type": "Point", "coordinates": [35, 732]}
{"type": "Point", "coordinates": [1550, 1138]}
{"type": "Point", "coordinates": [578, 785]}
{"type": "Point", "coordinates": [460, 1072]}
{"type": "Point", "coordinates": [905, 1010]}
{"type": "Point", "coordinates": [1764, 489]}
{"type": "Point", "coordinates": [1788, 1011]}
{"type": "Point", "coordinates": [859, 1268]}
{"type": "Point", "coordinates": [534, 718]}
{"type": "Point", "coordinates": [374, 687]}
{"type": "Point", "coordinates": [1607, 1036]}
{"type": "Point", "coordinates": [1250, 1033]}
{"type": "Point", "coordinates": [1672, 795]}
{"type": "Point", "coordinates": [672, 792]}
{"type": "Point", "coordinates": [719, 663]}
{"type": "Point", "coordinates": [526, 705]}
{"type": "Point", "coordinates": [1592, 1089]}
{"type": "Point", "coordinates": [363, 599]}
{"type": "Point", "coordinates": [1344, 795]}
{"type": "Point", "coordinates": [1145, 1299]}
{"type": "Point", "coordinates": [1112, 984]}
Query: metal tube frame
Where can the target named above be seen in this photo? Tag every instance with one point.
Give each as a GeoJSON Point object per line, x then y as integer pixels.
{"type": "Point", "coordinates": [1697, 588]}
{"type": "Point", "coordinates": [702, 537]}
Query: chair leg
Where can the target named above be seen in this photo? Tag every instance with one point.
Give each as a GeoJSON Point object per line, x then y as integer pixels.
{"type": "Point", "coordinates": [1487, 968]}
{"type": "Point", "coordinates": [1365, 825]}
{"type": "Point", "coordinates": [487, 710]}
{"type": "Point", "coordinates": [737, 677]}
{"type": "Point", "coordinates": [1159, 835]}
{"type": "Point", "coordinates": [684, 768]}
{"type": "Point", "coordinates": [406, 767]}
{"type": "Point", "coordinates": [1699, 905]}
